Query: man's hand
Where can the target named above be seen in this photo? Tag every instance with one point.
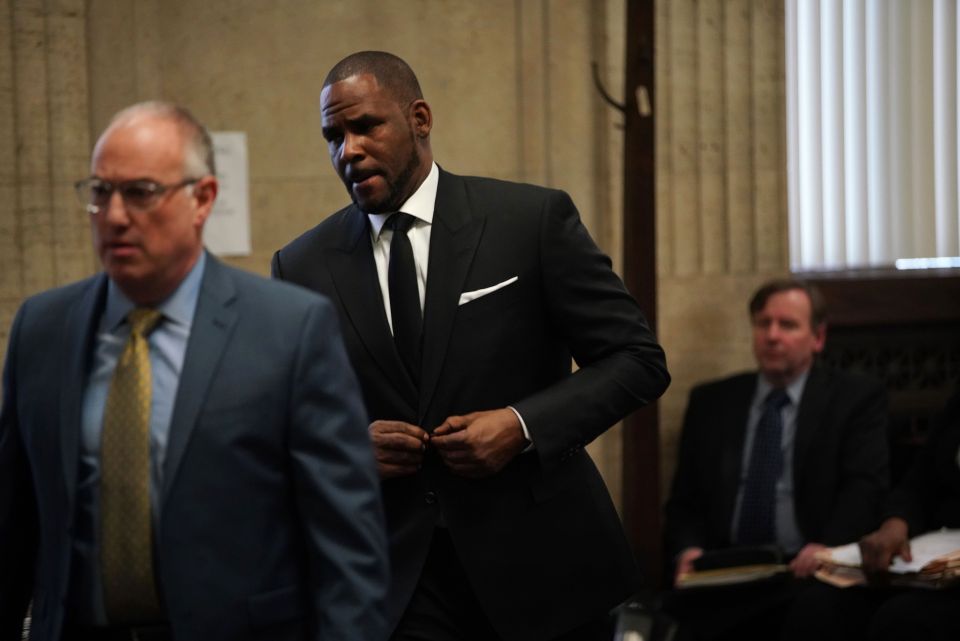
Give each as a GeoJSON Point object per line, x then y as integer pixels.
{"type": "Point", "coordinates": [398, 447]}
{"type": "Point", "coordinates": [480, 443]}
{"type": "Point", "coordinates": [878, 548]}
{"type": "Point", "coordinates": [806, 563]}
{"type": "Point", "coordinates": [685, 562]}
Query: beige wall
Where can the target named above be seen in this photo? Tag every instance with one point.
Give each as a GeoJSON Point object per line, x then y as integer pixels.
{"type": "Point", "coordinates": [509, 82]}
{"type": "Point", "coordinates": [44, 142]}
{"type": "Point", "coordinates": [721, 185]}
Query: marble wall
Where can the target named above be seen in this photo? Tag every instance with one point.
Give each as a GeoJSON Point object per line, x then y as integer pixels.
{"type": "Point", "coordinates": [44, 147]}
{"type": "Point", "coordinates": [509, 82]}
{"type": "Point", "coordinates": [721, 186]}
{"type": "Point", "coordinates": [510, 85]}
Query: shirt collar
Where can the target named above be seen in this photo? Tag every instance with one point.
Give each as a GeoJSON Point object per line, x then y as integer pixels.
{"type": "Point", "coordinates": [420, 205]}
{"type": "Point", "coordinates": [794, 390]}
{"type": "Point", "coordinates": [178, 307]}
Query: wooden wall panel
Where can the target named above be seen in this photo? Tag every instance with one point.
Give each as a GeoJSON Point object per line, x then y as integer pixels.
{"type": "Point", "coordinates": [665, 142]}
{"type": "Point", "coordinates": [682, 85]}
{"type": "Point", "coordinates": [738, 139]}
{"type": "Point", "coordinates": [69, 144]}
{"type": "Point", "coordinates": [720, 117]}
{"type": "Point", "coordinates": [512, 95]}
{"type": "Point", "coordinates": [769, 152]}
{"type": "Point", "coordinates": [34, 210]}
{"type": "Point", "coordinates": [712, 167]}
{"type": "Point", "coordinates": [532, 154]}
{"type": "Point", "coordinates": [10, 261]}
{"type": "Point", "coordinates": [721, 185]}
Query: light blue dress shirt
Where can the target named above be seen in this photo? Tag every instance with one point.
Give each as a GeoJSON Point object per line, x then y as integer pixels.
{"type": "Point", "coordinates": [168, 346]}
{"type": "Point", "coordinates": [789, 537]}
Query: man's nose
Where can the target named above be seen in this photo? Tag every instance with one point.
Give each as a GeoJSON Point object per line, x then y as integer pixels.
{"type": "Point", "coordinates": [115, 210]}
{"type": "Point", "coordinates": [352, 148]}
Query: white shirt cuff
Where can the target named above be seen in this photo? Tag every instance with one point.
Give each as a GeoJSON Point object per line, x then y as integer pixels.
{"type": "Point", "coordinates": [526, 432]}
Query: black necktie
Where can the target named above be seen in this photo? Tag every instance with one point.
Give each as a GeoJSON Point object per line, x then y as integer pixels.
{"type": "Point", "coordinates": [404, 294]}
{"type": "Point", "coordinates": [758, 508]}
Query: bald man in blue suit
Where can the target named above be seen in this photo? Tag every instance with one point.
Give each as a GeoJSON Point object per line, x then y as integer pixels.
{"type": "Point", "coordinates": [264, 519]}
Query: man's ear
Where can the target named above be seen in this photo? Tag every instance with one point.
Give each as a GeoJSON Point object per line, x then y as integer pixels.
{"type": "Point", "coordinates": [421, 118]}
{"type": "Point", "coordinates": [819, 337]}
{"type": "Point", "coordinates": [205, 193]}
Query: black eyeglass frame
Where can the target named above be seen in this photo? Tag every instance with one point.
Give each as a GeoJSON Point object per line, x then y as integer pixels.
{"type": "Point", "coordinates": [138, 204]}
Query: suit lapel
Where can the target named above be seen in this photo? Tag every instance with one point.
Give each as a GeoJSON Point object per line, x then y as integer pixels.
{"type": "Point", "coordinates": [453, 243]}
{"type": "Point", "coordinates": [737, 410]}
{"type": "Point", "coordinates": [80, 326]}
{"type": "Point", "coordinates": [812, 405]}
{"type": "Point", "coordinates": [213, 324]}
{"type": "Point", "coordinates": [354, 274]}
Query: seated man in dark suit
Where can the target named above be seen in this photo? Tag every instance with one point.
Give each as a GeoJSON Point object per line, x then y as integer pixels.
{"type": "Point", "coordinates": [927, 498]}
{"type": "Point", "coordinates": [794, 455]}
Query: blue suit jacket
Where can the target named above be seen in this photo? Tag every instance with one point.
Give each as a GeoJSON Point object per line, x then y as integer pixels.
{"type": "Point", "coordinates": [540, 540]}
{"type": "Point", "coordinates": [271, 522]}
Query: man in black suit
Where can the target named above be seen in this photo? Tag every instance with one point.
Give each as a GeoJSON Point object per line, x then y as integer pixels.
{"type": "Point", "coordinates": [500, 525]}
{"type": "Point", "coordinates": [926, 499]}
{"type": "Point", "coordinates": [183, 445]}
{"type": "Point", "coordinates": [793, 455]}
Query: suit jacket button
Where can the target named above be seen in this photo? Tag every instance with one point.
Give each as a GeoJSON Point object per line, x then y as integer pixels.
{"type": "Point", "coordinates": [430, 497]}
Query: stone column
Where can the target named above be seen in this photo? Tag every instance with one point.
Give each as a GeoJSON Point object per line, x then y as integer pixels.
{"type": "Point", "coordinates": [44, 237]}
{"type": "Point", "coordinates": [721, 185]}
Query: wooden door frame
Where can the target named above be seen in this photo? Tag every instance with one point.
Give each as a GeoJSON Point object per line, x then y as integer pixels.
{"type": "Point", "coordinates": [641, 440]}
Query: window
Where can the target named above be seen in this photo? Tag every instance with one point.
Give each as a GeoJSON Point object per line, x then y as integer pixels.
{"type": "Point", "coordinates": [871, 131]}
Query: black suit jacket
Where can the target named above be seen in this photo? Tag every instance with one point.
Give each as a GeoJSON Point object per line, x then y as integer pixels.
{"type": "Point", "coordinates": [840, 460]}
{"type": "Point", "coordinates": [540, 540]}
{"type": "Point", "coordinates": [271, 525]}
{"type": "Point", "coordinates": [928, 496]}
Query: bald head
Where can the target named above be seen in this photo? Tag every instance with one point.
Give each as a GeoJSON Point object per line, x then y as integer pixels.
{"type": "Point", "coordinates": [391, 72]}
{"type": "Point", "coordinates": [152, 166]}
{"type": "Point", "coordinates": [198, 159]}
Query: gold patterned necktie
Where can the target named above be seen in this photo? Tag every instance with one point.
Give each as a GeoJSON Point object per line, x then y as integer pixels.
{"type": "Point", "coordinates": [126, 543]}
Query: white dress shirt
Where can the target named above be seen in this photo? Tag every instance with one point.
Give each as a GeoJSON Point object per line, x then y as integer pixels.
{"type": "Point", "coordinates": [420, 205]}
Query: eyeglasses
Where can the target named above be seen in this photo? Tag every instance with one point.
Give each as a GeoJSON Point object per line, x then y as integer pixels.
{"type": "Point", "coordinates": [139, 196]}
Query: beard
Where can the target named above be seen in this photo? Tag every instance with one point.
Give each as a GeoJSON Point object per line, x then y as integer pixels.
{"type": "Point", "coordinates": [399, 190]}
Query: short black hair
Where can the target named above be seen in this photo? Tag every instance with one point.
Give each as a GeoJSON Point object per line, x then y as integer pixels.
{"type": "Point", "coordinates": [818, 308]}
{"type": "Point", "coordinates": [391, 72]}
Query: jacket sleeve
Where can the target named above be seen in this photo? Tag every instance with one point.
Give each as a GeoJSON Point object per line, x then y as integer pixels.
{"type": "Point", "coordinates": [864, 475]}
{"type": "Point", "coordinates": [686, 509]}
{"type": "Point", "coordinates": [620, 365]}
{"type": "Point", "coordinates": [337, 488]}
{"type": "Point", "coordinates": [18, 518]}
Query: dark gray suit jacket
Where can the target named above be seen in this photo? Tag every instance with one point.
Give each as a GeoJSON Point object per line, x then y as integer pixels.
{"type": "Point", "coordinates": [928, 496]}
{"type": "Point", "coordinates": [540, 540]}
{"type": "Point", "coordinates": [271, 520]}
{"type": "Point", "coordinates": [840, 460]}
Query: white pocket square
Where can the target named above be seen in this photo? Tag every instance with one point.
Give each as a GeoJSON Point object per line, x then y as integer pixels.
{"type": "Point", "coordinates": [466, 297]}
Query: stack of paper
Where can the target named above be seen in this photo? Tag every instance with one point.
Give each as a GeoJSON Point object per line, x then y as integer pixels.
{"type": "Point", "coordinates": [935, 564]}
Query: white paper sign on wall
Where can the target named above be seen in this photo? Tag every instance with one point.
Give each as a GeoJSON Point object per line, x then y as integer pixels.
{"type": "Point", "coordinates": [227, 231]}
